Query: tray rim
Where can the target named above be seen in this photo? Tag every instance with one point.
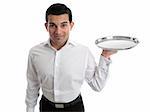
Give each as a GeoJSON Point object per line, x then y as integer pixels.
{"type": "Point", "coordinates": [108, 38]}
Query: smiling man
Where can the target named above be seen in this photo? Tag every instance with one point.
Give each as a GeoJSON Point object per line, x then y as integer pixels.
{"type": "Point", "coordinates": [59, 28]}
{"type": "Point", "coordinates": [59, 67]}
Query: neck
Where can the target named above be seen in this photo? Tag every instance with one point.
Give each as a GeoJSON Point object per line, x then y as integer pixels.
{"type": "Point", "coordinates": [57, 46]}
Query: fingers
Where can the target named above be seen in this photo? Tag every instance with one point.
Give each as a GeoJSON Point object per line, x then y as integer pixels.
{"type": "Point", "coordinates": [112, 51]}
{"type": "Point", "coordinates": [108, 53]}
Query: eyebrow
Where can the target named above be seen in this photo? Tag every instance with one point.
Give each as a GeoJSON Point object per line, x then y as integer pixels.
{"type": "Point", "coordinates": [64, 22]}
{"type": "Point", "coordinates": [61, 23]}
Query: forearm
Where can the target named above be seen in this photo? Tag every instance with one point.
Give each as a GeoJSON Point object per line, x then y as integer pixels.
{"type": "Point", "coordinates": [100, 74]}
{"type": "Point", "coordinates": [32, 94]}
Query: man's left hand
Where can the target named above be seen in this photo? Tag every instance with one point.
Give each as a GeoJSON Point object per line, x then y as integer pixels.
{"type": "Point", "coordinates": [108, 53]}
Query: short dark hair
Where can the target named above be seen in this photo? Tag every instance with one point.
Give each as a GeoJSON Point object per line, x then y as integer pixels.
{"type": "Point", "coordinates": [58, 9]}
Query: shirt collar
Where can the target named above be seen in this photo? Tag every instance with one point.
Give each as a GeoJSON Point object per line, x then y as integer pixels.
{"type": "Point", "coordinates": [69, 42]}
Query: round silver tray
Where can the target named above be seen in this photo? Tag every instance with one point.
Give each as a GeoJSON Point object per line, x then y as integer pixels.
{"type": "Point", "coordinates": [116, 42]}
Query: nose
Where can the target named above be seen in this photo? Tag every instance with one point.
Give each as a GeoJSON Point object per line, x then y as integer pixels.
{"type": "Point", "coordinates": [58, 31]}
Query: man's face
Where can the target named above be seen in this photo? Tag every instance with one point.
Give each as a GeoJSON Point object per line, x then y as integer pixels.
{"type": "Point", "coordinates": [59, 28]}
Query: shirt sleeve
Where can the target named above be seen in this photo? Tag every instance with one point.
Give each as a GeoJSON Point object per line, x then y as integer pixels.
{"type": "Point", "coordinates": [33, 86]}
{"type": "Point", "coordinates": [96, 75]}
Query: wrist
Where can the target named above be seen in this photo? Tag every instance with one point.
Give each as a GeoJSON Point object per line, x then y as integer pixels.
{"type": "Point", "coordinates": [29, 109]}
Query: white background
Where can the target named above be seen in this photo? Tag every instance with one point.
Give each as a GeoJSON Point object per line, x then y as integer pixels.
{"type": "Point", "coordinates": [128, 87]}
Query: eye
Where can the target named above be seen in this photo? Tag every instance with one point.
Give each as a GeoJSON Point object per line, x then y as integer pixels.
{"type": "Point", "coordinates": [52, 25]}
{"type": "Point", "coordinates": [64, 25]}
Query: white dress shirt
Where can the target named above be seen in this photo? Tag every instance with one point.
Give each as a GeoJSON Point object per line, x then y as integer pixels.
{"type": "Point", "coordinates": [60, 73]}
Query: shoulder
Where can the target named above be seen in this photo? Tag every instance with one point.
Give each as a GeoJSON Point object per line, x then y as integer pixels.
{"type": "Point", "coordinates": [81, 48]}
{"type": "Point", "coordinates": [79, 45]}
{"type": "Point", "coordinates": [36, 48]}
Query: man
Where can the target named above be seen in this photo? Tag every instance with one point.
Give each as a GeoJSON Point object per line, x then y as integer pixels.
{"type": "Point", "coordinates": [59, 67]}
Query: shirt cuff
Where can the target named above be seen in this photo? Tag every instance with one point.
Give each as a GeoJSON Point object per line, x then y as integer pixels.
{"type": "Point", "coordinates": [104, 62]}
{"type": "Point", "coordinates": [29, 109]}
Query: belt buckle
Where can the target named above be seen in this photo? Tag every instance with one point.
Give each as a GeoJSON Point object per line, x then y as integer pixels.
{"type": "Point", "coordinates": [59, 105]}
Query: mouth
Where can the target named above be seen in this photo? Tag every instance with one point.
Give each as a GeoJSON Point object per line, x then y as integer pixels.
{"type": "Point", "coordinates": [58, 36]}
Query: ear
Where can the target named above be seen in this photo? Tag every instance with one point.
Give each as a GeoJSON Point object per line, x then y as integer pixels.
{"type": "Point", "coordinates": [46, 26]}
{"type": "Point", "coordinates": [72, 24]}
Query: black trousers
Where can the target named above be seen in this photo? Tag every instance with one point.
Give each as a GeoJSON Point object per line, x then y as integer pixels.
{"type": "Point", "coordinates": [73, 106]}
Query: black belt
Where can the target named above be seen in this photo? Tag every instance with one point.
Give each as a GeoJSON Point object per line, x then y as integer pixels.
{"type": "Point", "coordinates": [63, 105]}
